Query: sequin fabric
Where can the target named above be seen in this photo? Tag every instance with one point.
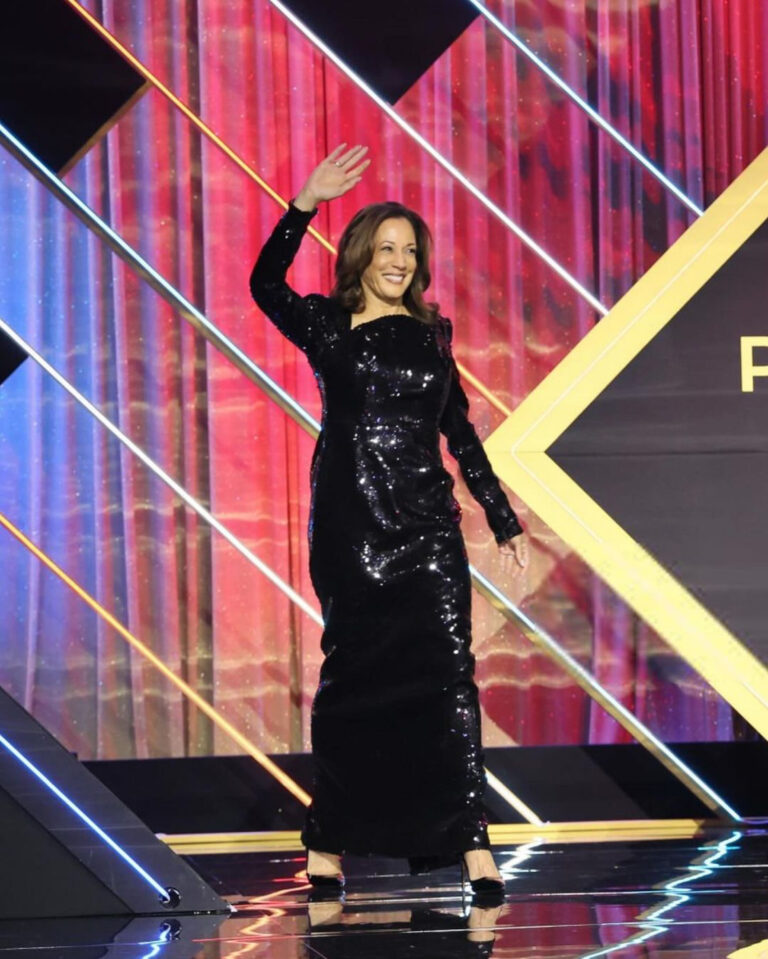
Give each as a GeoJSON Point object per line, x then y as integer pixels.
{"type": "Point", "coordinates": [395, 721]}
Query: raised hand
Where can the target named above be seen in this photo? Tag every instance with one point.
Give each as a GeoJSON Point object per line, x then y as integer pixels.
{"type": "Point", "coordinates": [333, 176]}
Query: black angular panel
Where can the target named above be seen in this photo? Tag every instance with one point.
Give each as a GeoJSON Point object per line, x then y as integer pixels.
{"type": "Point", "coordinates": [677, 453]}
{"type": "Point", "coordinates": [11, 356]}
{"type": "Point", "coordinates": [61, 85]}
{"type": "Point", "coordinates": [390, 45]}
{"type": "Point", "coordinates": [70, 847]}
{"type": "Point", "coordinates": [60, 82]}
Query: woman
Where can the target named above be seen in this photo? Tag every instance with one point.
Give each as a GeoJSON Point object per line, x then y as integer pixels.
{"type": "Point", "coordinates": [395, 721]}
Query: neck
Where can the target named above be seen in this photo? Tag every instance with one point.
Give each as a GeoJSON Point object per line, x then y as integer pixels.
{"type": "Point", "coordinates": [375, 308]}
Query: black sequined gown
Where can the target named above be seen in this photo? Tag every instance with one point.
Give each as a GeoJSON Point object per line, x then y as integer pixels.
{"type": "Point", "coordinates": [395, 721]}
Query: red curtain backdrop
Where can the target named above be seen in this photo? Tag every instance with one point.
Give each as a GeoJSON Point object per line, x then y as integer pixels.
{"type": "Point", "coordinates": [685, 80]}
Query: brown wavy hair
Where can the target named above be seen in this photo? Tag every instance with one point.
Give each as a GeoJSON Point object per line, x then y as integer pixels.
{"type": "Point", "coordinates": [356, 249]}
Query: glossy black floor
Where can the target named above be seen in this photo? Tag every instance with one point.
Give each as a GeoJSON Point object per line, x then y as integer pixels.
{"type": "Point", "coordinates": [698, 897]}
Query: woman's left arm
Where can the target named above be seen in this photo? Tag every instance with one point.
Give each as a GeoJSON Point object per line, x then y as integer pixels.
{"type": "Point", "coordinates": [465, 446]}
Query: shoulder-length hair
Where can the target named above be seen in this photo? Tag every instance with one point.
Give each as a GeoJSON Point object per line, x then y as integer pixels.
{"type": "Point", "coordinates": [356, 249]}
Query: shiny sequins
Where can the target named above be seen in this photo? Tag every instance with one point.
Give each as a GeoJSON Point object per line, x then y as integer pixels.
{"type": "Point", "coordinates": [396, 722]}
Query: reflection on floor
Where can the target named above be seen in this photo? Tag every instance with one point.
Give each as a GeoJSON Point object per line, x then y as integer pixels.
{"type": "Point", "coordinates": [703, 897]}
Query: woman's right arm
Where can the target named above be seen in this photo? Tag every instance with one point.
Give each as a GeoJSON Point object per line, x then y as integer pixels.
{"type": "Point", "coordinates": [290, 312]}
{"type": "Point", "coordinates": [296, 316]}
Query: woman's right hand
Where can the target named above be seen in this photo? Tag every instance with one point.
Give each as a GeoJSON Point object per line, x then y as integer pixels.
{"type": "Point", "coordinates": [336, 174]}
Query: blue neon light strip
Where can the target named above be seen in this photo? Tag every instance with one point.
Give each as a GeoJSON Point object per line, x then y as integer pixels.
{"type": "Point", "coordinates": [577, 668]}
{"type": "Point", "coordinates": [444, 162]}
{"type": "Point", "coordinates": [165, 938]}
{"type": "Point", "coordinates": [678, 899]}
{"type": "Point", "coordinates": [85, 818]}
{"type": "Point", "coordinates": [708, 866]}
{"type": "Point", "coordinates": [169, 292]}
{"type": "Point", "coordinates": [587, 108]}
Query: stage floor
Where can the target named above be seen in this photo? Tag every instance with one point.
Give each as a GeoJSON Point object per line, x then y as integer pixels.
{"type": "Point", "coordinates": [702, 896]}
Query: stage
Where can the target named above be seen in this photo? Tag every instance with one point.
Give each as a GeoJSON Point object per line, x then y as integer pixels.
{"type": "Point", "coordinates": [595, 177]}
{"type": "Point", "coordinates": [618, 891]}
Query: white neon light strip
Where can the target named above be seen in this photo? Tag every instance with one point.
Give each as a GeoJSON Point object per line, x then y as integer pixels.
{"type": "Point", "coordinates": [169, 292]}
{"type": "Point", "coordinates": [209, 518]}
{"type": "Point", "coordinates": [678, 899]}
{"type": "Point", "coordinates": [99, 226]}
{"type": "Point", "coordinates": [295, 597]}
{"type": "Point", "coordinates": [707, 867]}
{"type": "Point", "coordinates": [589, 680]}
{"type": "Point", "coordinates": [587, 108]}
{"type": "Point", "coordinates": [161, 474]}
{"type": "Point", "coordinates": [509, 868]}
{"type": "Point", "coordinates": [444, 162]}
{"type": "Point", "coordinates": [85, 818]}
{"type": "Point", "coordinates": [165, 938]}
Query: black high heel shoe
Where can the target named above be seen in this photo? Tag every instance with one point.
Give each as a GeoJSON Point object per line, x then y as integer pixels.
{"type": "Point", "coordinates": [484, 889]}
{"type": "Point", "coordinates": [326, 889]}
{"type": "Point", "coordinates": [326, 883]}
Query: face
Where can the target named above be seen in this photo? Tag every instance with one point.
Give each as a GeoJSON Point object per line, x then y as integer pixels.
{"type": "Point", "coordinates": [390, 272]}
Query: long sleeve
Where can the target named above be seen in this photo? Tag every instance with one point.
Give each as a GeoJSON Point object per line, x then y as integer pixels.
{"type": "Point", "coordinates": [465, 446]}
{"type": "Point", "coordinates": [300, 318]}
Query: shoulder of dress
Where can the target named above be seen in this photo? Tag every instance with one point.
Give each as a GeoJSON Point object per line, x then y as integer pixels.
{"type": "Point", "coordinates": [443, 336]}
{"type": "Point", "coordinates": [445, 327]}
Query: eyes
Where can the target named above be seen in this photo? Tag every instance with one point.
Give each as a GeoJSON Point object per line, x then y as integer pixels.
{"type": "Point", "coordinates": [389, 248]}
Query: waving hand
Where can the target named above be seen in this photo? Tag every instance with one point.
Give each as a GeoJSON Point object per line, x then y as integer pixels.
{"type": "Point", "coordinates": [333, 176]}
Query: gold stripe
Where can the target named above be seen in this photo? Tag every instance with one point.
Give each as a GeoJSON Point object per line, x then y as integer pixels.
{"type": "Point", "coordinates": [187, 111]}
{"type": "Point", "coordinates": [213, 714]}
{"type": "Point", "coordinates": [103, 129]}
{"type": "Point", "coordinates": [499, 833]}
{"type": "Point", "coordinates": [206, 131]}
{"type": "Point", "coordinates": [514, 801]}
{"type": "Point", "coordinates": [203, 127]}
{"type": "Point", "coordinates": [205, 707]}
{"type": "Point", "coordinates": [758, 950]}
{"type": "Point", "coordinates": [517, 449]}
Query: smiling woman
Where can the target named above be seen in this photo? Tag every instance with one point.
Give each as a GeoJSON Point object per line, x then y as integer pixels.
{"type": "Point", "coordinates": [398, 766]}
{"type": "Point", "coordinates": [383, 264]}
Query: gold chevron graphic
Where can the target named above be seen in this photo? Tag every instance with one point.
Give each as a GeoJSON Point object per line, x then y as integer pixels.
{"type": "Point", "coordinates": [518, 448]}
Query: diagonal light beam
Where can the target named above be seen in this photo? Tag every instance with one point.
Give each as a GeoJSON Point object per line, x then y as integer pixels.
{"type": "Point", "coordinates": [156, 281]}
{"type": "Point", "coordinates": [226, 346]}
{"type": "Point", "coordinates": [161, 474]}
{"type": "Point", "coordinates": [209, 518]}
{"type": "Point", "coordinates": [539, 637]}
{"type": "Point", "coordinates": [443, 161]}
{"type": "Point", "coordinates": [139, 67]}
{"type": "Point", "coordinates": [213, 137]}
{"type": "Point", "coordinates": [255, 374]}
{"type": "Point", "coordinates": [83, 816]}
{"type": "Point", "coordinates": [202, 704]}
{"type": "Point", "coordinates": [585, 105]}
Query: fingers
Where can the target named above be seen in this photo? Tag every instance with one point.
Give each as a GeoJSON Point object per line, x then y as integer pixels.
{"type": "Point", "coordinates": [334, 156]}
{"type": "Point", "coordinates": [347, 160]}
{"type": "Point", "coordinates": [517, 548]}
{"type": "Point", "coordinates": [359, 169]}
